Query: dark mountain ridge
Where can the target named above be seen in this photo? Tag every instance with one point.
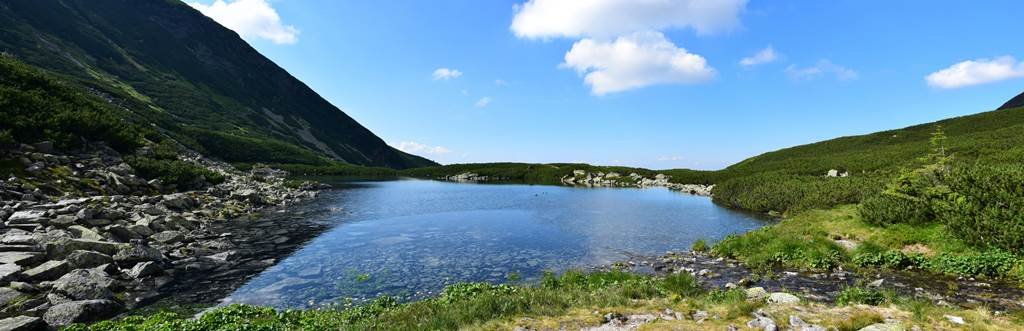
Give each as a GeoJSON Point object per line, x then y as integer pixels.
{"type": "Point", "coordinates": [189, 76]}
{"type": "Point", "coordinates": [1016, 102]}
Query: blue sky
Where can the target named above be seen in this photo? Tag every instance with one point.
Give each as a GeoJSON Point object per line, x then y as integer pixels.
{"type": "Point", "coordinates": [651, 83]}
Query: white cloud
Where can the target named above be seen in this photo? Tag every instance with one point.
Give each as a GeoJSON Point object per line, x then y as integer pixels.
{"type": "Point", "coordinates": [413, 147]}
{"type": "Point", "coordinates": [611, 18]}
{"type": "Point", "coordinates": [975, 72]}
{"type": "Point", "coordinates": [483, 102]}
{"type": "Point", "coordinates": [634, 61]}
{"type": "Point", "coordinates": [822, 68]}
{"type": "Point", "coordinates": [446, 74]}
{"type": "Point", "coordinates": [763, 56]}
{"type": "Point", "coordinates": [250, 19]}
{"type": "Point", "coordinates": [670, 158]}
{"type": "Point", "coordinates": [500, 82]}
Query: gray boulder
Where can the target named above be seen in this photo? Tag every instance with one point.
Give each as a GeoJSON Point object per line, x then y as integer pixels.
{"type": "Point", "coordinates": [8, 271]}
{"type": "Point", "coordinates": [81, 312]}
{"type": "Point", "coordinates": [88, 259]}
{"type": "Point", "coordinates": [84, 284]}
{"type": "Point", "coordinates": [22, 323]}
{"type": "Point", "coordinates": [49, 270]}
{"type": "Point", "coordinates": [145, 269]}
{"type": "Point", "coordinates": [134, 253]}
{"type": "Point", "coordinates": [781, 298]}
{"type": "Point", "coordinates": [168, 237]}
{"type": "Point", "coordinates": [26, 216]}
{"type": "Point", "coordinates": [20, 258]}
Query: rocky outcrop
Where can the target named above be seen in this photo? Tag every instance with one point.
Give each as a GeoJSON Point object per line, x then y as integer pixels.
{"type": "Point", "coordinates": [84, 238]}
{"type": "Point", "coordinates": [614, 179]}
{"type": "Point", "coordinates": [470, 177]}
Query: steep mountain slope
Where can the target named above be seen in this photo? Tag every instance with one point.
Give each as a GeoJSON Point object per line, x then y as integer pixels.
{"type": "Point", "coordinates": [191, 77]}
{"type": "Point", "coordinates": [1016, 102]}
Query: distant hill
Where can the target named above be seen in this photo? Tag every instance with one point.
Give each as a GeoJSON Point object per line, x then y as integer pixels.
{"type": "Point", "coordinates": [1016, 102]}
{"type": "Point", "coordinates": [190, 77]}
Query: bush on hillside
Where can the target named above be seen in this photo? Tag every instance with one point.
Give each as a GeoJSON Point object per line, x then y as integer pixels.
{"type": "Point", "coordinates": [784, 193]}
{"type": "Point", "coordinates": [986, 206]}
{"type": "Point", "coordinates": [185, 175]}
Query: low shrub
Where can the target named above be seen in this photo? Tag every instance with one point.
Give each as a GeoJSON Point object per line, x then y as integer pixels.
{"type": "Point", "coordinates": [986, 206]}
{"type": "Point", "coordinates": [184, 175]}
{"type": "Point", "coordinates": [860, 295]}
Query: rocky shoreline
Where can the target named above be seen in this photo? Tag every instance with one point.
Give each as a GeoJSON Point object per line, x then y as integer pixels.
{"type": "Point", "coordinates": [116, 243]}
{"type": "Point", "coordinates": [584, 178]}
{"type": "Point", "coordinates": [614, 179]}
{"type": "Point", "coordinates": [720, 273]}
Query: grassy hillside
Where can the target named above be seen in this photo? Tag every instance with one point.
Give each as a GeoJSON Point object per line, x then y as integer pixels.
{"type": "Point", "coordinates": [173, 67]}
{"type": "Point", "coordinates": [793, 179]}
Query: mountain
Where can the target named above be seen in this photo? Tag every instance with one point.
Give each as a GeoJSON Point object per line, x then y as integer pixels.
{"type": "Point", "coordinates": [1016, 102]}
{"type": "Point", "coordinates": [176, 69]}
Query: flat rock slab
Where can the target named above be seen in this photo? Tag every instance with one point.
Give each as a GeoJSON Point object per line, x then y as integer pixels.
{"type": "Point", "coordinates": [26, 216]}
{"type": "Point", "coordinates": [20, 258]}
{"type": "Point", "coordinates": [49, 270]}
{"type": "Point", "coordinates": [22, 323]}
{"type": "Point", "coordinates": [8, 271]}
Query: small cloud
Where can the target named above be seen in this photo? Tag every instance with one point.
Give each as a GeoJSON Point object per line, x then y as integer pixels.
{"type": "Point", "coordinates": [638, 60]}
{"type": "Point", "coordinates": [483, 102]}
{"type": "Point", "coordinates": [446, 74]}
{"type": "Point", "coordinates": [250, 18]}
{"type": "Point", "coordinates": [541, 19]}
{"type": "Point", "coordinates": [976, 72]}
{"type": "Point", "coordinates": [822, 68]}
{"type": "Point", "coordinates": [464, 92]}
{"type": "Point", "coordinates": [413, 147]}
{"type": "Point", "coordinates": [500, 82]}
{"type": "Point", "coordinates": [670, 158]}
{"type": "Point", "coordinates": [763, 56]}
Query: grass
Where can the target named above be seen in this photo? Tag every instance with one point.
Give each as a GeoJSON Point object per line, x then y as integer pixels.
{"type": "Point", "coordinates": [811, 240]}
{"type": "Point", "coordinates": [570, 301]}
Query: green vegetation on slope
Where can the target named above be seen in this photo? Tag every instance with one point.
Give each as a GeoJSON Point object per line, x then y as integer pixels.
{"type": "Point", "coordinates": [174, 68]}
{"type": "Point", "coordinates": [572, 301]}
{"type": "Point", "coordinates": [35, 107]}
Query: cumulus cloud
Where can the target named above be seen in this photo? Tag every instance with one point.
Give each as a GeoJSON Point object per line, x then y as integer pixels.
{"type": "Point", "coordinates": [446, 74]}
{"type": "Point", "coordinates": [611, 18]}
{"type": "Point", "coordinates": [975, 72]}
{"type": "Point", "coordinates": [820, 69]}
{"type": "Point", "coordinates": [634, 61]}
{"type": "Point", "coordinates": [250, 19]}
{"type": "Point", "coordinates": [483, 102]}
{"type": "Point", "coordinates": [413, 147]}
{"type": "Point", "coordinates": [670, 158]}
{"type": "Point", "coordinates": [763, 56]}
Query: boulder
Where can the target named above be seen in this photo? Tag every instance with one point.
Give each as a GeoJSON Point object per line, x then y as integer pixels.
{"type": "Point", "coordinates": [85, 214]}
{"type": "Point", "coordinates": [145, 269]}
{"type": "Point", "coordinates": [8, 271]}
{"type": "Point", "coordinates": [134, 253]}
{"type": "Point", "coordinates": [22, 323]}
{"type": "Point", "coordinates": [178, 201]}
{"type": "Point", "coordinates": [26, 216]}
{"type": "Point", "coordinates": [756, 293]}
{"type": "Point", "coordinates": [84, 284]}
{"type": "Point", "coordinates": [49, 270]}
{"type": "Point", "coordinates": [882, 327]}
{"type": "Point", "coordinates": [141, 230]}
{"type": "Point", "coordinates": [88, 259]}
{"type": "Point", "coordinates": [780, 298]}
{"type": "Point", "coordinates": [121, 232]}
{"type": "Point", "coordinates": [9, 296]}
{"type": "Point", "coordinates": [63, 221]}
{"type": "Point", "coordinates": [168, 237]}
{"type": "Point", "coordinates": [81, 312]}
{"type": "Point", "coordinates": [82, 232]}
{"type": "Point", "coordinates": [18, 238]}
{"type": "Point", "coordinates": [763, 322]}
{"type": "Point", "coordinates": [20, 258]}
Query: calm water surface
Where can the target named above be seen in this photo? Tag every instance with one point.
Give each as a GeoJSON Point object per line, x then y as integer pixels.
{"type": "Point", "coordinates": [410, 238]}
